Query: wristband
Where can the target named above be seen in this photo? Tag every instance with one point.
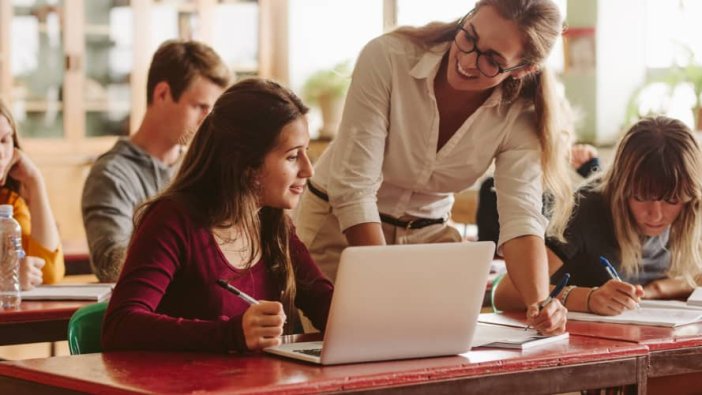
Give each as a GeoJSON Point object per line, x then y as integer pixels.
{"type": "Point", "coordinates": [564, 295]}
{"type": "Point", "coordinates": [587, 301]}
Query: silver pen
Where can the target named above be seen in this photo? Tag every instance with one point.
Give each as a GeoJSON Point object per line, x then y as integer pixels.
{"type": "Point", "coordinates": [246, 298]}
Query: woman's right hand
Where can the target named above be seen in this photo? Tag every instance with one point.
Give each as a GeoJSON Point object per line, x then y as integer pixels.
{"type": "Point", "coordinates": [30, 272]}
{"type": "Point", "coordinates": [263, 325]}
{"type": "Point", "coordinates": [614, 297]}
{"type": "Point", "coordinates": [549, 320]}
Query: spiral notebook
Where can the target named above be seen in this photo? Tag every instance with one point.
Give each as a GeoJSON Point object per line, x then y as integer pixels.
{"type": "Point", "coordinates": [89, 292]}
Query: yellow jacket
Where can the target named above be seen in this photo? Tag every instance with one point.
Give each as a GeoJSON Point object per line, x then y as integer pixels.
{"type": "Point", "coordinates": [54, 269]}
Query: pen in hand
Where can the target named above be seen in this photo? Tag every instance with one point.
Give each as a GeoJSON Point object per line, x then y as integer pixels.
{"type": "Point", "coordinates": [554, 293]}
{"type": "Point", "coordinates": [610, 269]}
{"type": "Point", "coordinates": [246, 298]}
{"type": "Point", "coordinates": [613, 272]}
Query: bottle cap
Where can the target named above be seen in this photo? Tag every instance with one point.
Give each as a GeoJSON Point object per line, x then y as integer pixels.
{"type": "Point", "coordinates": [6, 210]}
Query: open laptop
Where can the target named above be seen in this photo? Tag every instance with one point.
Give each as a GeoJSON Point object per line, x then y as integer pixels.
{"type": "Point", "coordinates": [401, 301]}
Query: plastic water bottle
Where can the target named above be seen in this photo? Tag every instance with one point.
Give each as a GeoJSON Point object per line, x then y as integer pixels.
{"type": "Point", "coordinates": [10, 254]}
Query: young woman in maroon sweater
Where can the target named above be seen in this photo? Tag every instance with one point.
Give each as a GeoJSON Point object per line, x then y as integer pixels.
{"type": "Point", "coordinates": [223, 217]}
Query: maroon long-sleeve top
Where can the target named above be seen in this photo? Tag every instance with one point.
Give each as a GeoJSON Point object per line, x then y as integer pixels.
{"type": "Point", "coordinates": [167, 297]}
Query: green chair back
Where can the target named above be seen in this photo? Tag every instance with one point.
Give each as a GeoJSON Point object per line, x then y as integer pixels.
{"type": "Point", "coordinates": [85, 328]}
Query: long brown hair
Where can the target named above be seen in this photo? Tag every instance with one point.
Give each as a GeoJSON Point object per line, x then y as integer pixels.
{"type": "Point", "coordinates": [657, 159]}
{"type": "Point", "coordinates": [540, 23]}
{"type": "Point", "coordinates": [217, 179]}
{"type": "Point", "coordinates": [11, 183]}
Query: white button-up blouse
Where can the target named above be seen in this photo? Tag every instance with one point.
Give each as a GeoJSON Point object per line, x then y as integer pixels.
{"type": "Point", "coordinates": [384, 158]}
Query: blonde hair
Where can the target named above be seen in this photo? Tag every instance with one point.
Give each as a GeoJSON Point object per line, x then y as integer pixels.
{"type": "Point", "coordinates": [11, 183]}
{"type": "Point", "coordinates": [540, 23]}
{"type": "Point", "coordinates": [657, 159]}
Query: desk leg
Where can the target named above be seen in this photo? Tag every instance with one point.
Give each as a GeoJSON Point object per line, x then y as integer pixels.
{"type": "Point", "coordinates": [642, 375]}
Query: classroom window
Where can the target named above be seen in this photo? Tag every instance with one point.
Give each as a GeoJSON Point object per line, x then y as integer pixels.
{"type": "Point", "coordinates": [326, 33]}
{"type": "Point", "coordinates": [673, 55]}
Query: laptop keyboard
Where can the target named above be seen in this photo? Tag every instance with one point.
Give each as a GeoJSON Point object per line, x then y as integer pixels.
{"type": "Point", "coordinates": [315, 352]}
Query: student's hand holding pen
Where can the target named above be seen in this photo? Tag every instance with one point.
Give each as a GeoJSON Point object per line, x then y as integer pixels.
{"type": "Point", "coordinates": [549, 316]}
{"type": "Point", "coordinates": [262, 322]}
{"type": "Point", "coordinates": [549, 320]}
{"type": "Point", "coordinates": [263, 325]}
{"type": "Point", "coordinates": [614, 297]}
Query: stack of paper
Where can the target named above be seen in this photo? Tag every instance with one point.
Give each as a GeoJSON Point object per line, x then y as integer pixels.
{"type": "Point", "coordinates": [90, 292]}
{"type": "Point", "coordinates": [695, 298]}
{"type": "Point", "coordinates": [668, 304]}
{"type": "Point", "coordinates": [500, 336]}
{"type": "Point", "coordinates": [669, 317]}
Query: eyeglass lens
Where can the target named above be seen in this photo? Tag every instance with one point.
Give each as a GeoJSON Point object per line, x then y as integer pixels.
{"type": "Point", "coordinates": [485, 63]}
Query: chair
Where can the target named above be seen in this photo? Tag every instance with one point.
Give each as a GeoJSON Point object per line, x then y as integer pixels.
{"type": "Point", "coordinates": [85, 327]}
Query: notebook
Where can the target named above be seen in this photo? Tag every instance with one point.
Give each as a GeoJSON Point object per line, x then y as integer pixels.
{"type": "Point", "coordinates": [644, 316]}
{"type": "Point", "coordinates": [401, 301]}
{"type": "Point", "coordinates": [669, 304]}
{"type": "Point", "coordinates": [501, 336]}
{"type": "Point", "coordinates": [89, 292]}
{"type": "Point", "coordinates": [695, 299]}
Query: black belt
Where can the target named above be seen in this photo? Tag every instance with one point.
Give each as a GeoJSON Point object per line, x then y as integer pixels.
{"type": "Point", "coordinates": [317, 192]}
{"type": "Point", "coordinates": [416, 223]}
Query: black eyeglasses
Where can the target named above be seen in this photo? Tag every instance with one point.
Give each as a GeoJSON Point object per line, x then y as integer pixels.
{"type": "Point", "coordinates": [467, 43]}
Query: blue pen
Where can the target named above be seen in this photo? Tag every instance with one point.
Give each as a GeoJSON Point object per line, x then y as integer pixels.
{"type": "Point", "coordinates": [610, 269]}
{"type": "Point", "coordinates": [613, 273]}
{"type": "Point", "coordinates": [556, 290]}
{"type": "Point", "coordinates": [554, 293]}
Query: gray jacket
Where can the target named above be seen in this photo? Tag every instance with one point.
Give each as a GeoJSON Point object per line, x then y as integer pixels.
{"type": "Point", "coordinates": [119, 180]}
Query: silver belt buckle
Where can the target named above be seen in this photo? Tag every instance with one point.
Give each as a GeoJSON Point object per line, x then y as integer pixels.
{"type": "Point", "coordinates": [409, 224]}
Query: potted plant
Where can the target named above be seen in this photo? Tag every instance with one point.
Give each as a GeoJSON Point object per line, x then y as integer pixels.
{"type": "Point", "coordinates": [327, 89]}
{"type": "Point", "coordinates": [670, 79]}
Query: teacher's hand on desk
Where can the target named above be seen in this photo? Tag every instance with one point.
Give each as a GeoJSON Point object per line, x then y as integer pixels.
{"type": "Point", "coordinates": [263, 325]}
{"type": "Point", "coordinates": [614, 297]}
{"type": "Point", "coordinates": [549, 320]}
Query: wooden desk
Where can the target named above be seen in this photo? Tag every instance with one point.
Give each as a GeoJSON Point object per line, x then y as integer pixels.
{"type": "Point", "coordinates": [76, 256]}
{"type": "Point", "coordinates": [41, 321]}
{"type": "Point", "coordinates": [675, 358]}
{"type": "Point", "coordinates": [36, 322]}
{"type": "Point", "coordinates": [582, 363]}
{"type": "Point", "coordinates": [675, 354]}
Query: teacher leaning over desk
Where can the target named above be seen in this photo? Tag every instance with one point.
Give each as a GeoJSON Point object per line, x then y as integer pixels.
{"type": "Point", "coordinates": [427, 112]}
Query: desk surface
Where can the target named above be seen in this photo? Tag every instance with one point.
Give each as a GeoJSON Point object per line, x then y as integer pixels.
{"type": "Point", "coordinates": [655, 337]}
{"type": "Point", "coordinates": [40, 321]}
{"type": "Point", "coordinates": [36, 322]}
{"type": "Point", "coordinates": [674, 352]}
{"type": "Point", "coordinates": [40, 311]}
{"type": "Point", "coordinates": [581, 363]}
